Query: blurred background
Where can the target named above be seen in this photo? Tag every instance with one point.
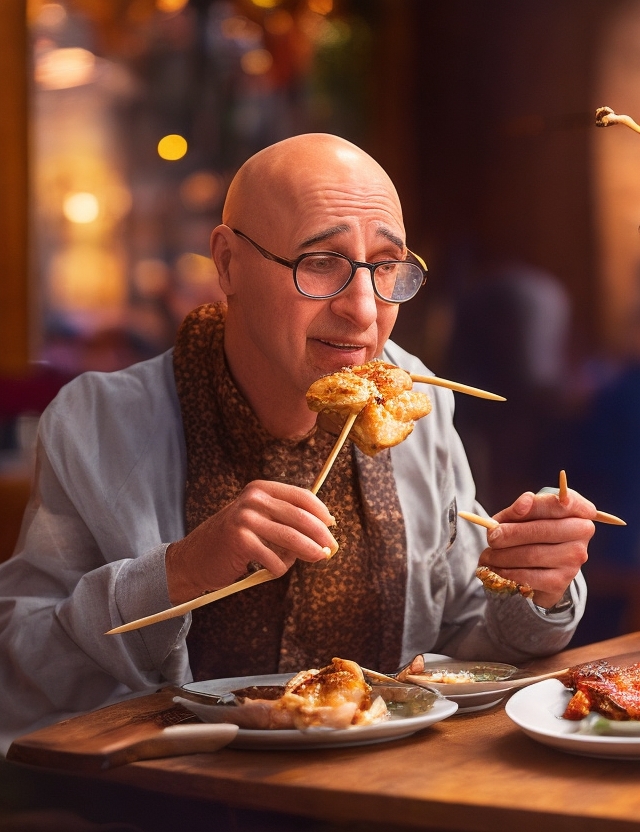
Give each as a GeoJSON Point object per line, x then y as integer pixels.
{"type": "Point", "coordinates": [123, 122]}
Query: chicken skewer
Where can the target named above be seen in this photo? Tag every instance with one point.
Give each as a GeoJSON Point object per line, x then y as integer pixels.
{"type": "Point", "coordinates": [378, 396]}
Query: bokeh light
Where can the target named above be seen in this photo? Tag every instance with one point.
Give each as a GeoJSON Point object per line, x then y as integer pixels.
{"type": "Point", "coordinates": [170, 6]}
{"type": "Point", "coordinates": [266, 4]}
{"type": "Point", "coordinates": [256, 61]}
{"type": "Point", "coordinates": [279, 23]}
{"type": "Point", "coordinates": [320, 6]}
{"type": "Point", "coordinates": [202, 191]}
{"type": "Point", "coordinates": [172, 147]}
{"type": "Point", "coordinates": [81, 207]}
{"type": "Point", "coordinates": [86, 277]}
{"type": "Point", "coordinates": [58, 69]}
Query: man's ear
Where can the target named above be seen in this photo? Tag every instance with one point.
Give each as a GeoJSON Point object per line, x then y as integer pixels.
{"type": "Point", "coordinates": [221, 245]}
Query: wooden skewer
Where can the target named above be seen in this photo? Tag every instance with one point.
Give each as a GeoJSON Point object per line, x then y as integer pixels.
{"type": "Point", "coordinates": [334, 453]}
{"type": "Point", "coordinates": [601, 516]}
{"type": "Point", "coordinates": [489, 523]}
{"type": "Point", "coordinates": [459, 388]}
{"type": "Point", "coordinates": [255, 578]}
{"type": "Point", "coordinates": [562, 488]}
{"type": "Point", "coordinates": [605, 117]}
{"type": "Point", "coordinates": [611, 519]}
{"type": "Point", "coordinates": [259, 577]}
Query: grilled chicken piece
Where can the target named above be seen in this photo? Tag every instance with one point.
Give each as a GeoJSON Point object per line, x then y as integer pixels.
{"type": "Point", "coordinates": [337, 696]}
{"type": "Point", "coordinates": [495, 583]}
{"type": "Point", "coordinates": [380, 393]}
{"type": "Point", "coordinates": [608, 689]}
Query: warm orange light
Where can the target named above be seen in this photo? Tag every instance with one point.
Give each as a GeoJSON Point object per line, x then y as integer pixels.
{"type": "Point", "coordinates": [170, 6]}
{"type": "Point", "coordinates": [256, 61]}
{"type": "Point", "coordinates": [49, 15]}
{"type": "Point", "coordinates": [320, 6]}
{"type": "Point", "coordinates": [266, 4]}
{"type": "Point", "coordinates": [172, 147]}
{"type": "Point", "coordinates": [59, 69]}
{"type": "Point", "coordinates": [202, 190]}
{"type": "Point", "coordinates": [278, 23]}
{"type": "Point", "coordinates": [87, 277]}
{"type": "Point", "coordinates": [81, 207]}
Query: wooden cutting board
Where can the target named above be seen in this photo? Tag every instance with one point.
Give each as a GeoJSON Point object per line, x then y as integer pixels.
{"type": "Point", "coordinates": [142, 728]}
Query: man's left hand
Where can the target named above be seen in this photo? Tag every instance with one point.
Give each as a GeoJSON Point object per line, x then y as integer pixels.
{"type": "Point", "coordinates": [541, 542]}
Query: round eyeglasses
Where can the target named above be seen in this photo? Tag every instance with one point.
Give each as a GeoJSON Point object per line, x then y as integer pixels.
{"type": "Point", "coordinates": [323, 274]}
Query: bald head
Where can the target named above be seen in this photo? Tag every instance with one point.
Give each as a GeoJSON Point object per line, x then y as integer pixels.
{"type": "Point", "coordinates": [285, 178]}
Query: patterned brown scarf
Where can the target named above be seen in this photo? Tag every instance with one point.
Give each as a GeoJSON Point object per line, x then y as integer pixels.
{"type": "Point", "coordinates": [352, 605]}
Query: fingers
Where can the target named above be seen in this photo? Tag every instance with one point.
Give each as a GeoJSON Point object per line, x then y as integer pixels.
{"type": "Point", "coordinates": [287, 519]}
{"type": "Point", "coordinates": [543, 532]}
{"type": "Point", "coordinates": [269, 523]}
{"type": "Point", "coordinates": [531, 506]}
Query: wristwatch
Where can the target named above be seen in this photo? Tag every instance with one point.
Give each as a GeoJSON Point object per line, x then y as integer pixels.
{"type": "Point", "coordinates": [563, 605]}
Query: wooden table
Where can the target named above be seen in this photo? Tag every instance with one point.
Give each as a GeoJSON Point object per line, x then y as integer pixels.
{"type": "Point", "coordinates": [476, 772]}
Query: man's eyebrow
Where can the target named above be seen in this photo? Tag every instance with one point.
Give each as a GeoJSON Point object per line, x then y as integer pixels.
{"type": "Point", "coordinates": [324, 235]}
{"type": "Point", "coordinates": [389, 235]}
{"type": "Point", "coordinates": [342, 229]}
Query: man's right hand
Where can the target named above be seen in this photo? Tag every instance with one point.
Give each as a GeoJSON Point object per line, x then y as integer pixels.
{"type": "Point", "coordinates": [271, 523]}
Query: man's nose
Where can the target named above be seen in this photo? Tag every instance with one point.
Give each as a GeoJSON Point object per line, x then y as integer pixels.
{"type": "Point", "coordinates": [358, 302]}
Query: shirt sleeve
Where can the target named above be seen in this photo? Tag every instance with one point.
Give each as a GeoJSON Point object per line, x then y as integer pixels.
{"type": "Point", "coordinates": [64, 587]}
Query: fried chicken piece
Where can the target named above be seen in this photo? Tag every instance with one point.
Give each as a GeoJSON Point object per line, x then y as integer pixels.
{"type": "Point", "coordinates": [380, 393]}
{"type": "Point", "coordinates": [342, 393]}
{"type": "Point", "coordinates": [336, 696]}
{"type": "Point", "coordinates": [495, 583]}
{"type": "Point", "coordinates": [607, 689]}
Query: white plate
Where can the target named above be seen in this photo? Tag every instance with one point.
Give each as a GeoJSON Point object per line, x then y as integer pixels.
{"type": "Point", "coordinates": [395, 728]}
{"type": "Point", "coordinates": [538, 711]}
{"type": "Point", "coordinates": [469, 696]}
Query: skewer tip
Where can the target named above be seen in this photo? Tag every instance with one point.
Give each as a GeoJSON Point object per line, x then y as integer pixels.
{"type": "Point", "coordinates": [562, 487]}
{"type": "Point", "coordinates": [487, 522]}
{"type": "Point", "coordinates": [611, 519]}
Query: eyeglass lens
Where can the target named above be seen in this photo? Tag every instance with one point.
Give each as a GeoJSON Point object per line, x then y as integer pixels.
{"type": "Point", "coordinates": [322, 275]}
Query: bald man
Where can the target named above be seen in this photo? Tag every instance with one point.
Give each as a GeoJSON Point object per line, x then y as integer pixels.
{"type": "Point", "coordinates": [183, 474]}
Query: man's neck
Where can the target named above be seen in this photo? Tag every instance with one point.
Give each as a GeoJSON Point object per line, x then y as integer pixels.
{"type": "Point", "coordinates": [283, 412]}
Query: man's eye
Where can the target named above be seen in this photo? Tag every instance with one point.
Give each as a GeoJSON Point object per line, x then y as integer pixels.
{"type": "Point", "coordinates": [385, 269]}
{"type": "Point", "coordinates": [320, 265]}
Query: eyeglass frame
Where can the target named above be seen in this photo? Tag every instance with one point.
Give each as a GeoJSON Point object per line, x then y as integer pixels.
{"type": "Point", "coordinates": [355, 265]}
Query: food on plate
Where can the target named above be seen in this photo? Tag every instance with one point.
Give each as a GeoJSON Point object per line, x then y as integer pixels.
{"type": "Point", "coordinates": [453, 672]}
{"type": "Point", "coordinates": [383, 396]}
{"type": "Point", "coordinates": [603, 688]}
{"type": "Point", "coordinates": [495, 583]}
{"type": "Point", "coordinates": [336, 697]}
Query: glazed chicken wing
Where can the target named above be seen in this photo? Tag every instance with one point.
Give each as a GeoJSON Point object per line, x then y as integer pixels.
{"type": "Point", "coordinates": [608, 689]}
